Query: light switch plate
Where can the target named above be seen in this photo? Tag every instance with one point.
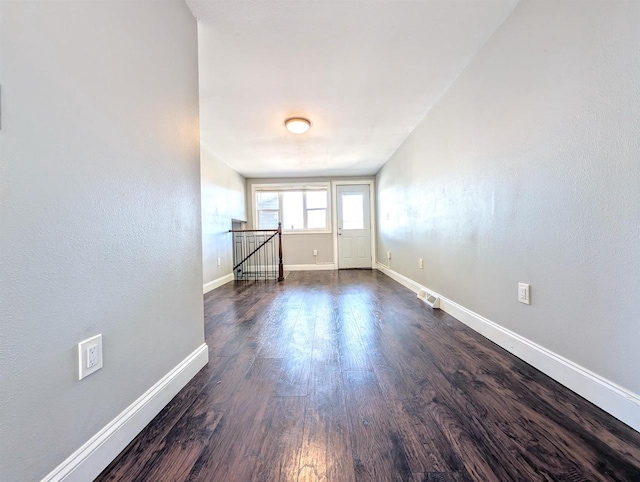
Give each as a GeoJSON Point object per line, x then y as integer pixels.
{"type": "Point", "coordinates": [524, 293]}
{"type": "Point", "coordinates": [89, 356]}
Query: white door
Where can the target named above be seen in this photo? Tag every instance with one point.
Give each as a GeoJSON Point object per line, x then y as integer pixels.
{"type": "Point", "coordinates": [354, 226]}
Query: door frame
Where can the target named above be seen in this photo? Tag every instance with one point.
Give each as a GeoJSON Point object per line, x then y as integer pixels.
{"type": "Point", "coordinates": [372, 215]}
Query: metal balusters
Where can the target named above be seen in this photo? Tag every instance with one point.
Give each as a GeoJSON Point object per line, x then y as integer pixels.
{"type": "Point", "coordinates": [256, 256]}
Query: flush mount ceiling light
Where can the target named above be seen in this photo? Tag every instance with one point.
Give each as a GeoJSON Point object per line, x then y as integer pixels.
{"type": "Point", "coordinates": [297, 125]}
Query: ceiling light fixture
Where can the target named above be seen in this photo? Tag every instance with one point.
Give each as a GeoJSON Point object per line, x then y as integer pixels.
{"type": "Point", "coordinates": [297, 125]}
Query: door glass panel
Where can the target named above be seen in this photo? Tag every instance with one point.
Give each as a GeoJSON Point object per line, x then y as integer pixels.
{"type": "Point", "coordinates": [353, 211]}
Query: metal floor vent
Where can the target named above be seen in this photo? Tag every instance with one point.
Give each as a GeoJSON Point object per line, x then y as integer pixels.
{"type": "Point", "coordinates": [429, 298]}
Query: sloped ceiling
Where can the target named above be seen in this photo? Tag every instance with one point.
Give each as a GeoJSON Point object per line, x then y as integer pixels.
{"type": "Point", "coordinates": [365, 72]}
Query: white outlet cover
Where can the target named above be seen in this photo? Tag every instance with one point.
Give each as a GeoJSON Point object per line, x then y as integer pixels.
{"type": "Point", "coordinates": [92, 356]}
{"type": "Point", "coordinates": [93, 343]}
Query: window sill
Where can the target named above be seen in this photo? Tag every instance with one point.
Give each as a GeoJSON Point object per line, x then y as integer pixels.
{"type": "Point", "coordinates": [308, 231]}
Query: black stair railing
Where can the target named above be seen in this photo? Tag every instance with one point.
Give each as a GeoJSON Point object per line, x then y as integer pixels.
{"type": "Point", "coordinates": [257, 254]}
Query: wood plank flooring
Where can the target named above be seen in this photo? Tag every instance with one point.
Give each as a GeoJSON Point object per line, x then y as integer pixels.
{"type": "Point", "coordinates": [344, 376]}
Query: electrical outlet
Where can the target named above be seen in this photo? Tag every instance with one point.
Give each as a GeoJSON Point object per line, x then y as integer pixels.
{"type": "Point", "coordinates": [218, 261]}
{"type": "Point", "coordinates": [89, 356]}
{"type": "Point", "coordinates": [388, 254]}
{"type": "Point", "coordinates": [524, 293]}
{"type": "Point", "coordinates": [420, 263]}
{"type": "Point", "coordinates": [92, 356]}
{"type": "Point", "coordinates": [315, 252]}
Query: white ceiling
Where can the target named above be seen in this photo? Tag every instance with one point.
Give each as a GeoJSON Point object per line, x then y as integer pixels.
{"type": "Point", "coordinates": [365, 72]}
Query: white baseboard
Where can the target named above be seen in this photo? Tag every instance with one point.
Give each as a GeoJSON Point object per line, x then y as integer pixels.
{"type": "Point", "coordinates": [403, 280]}
{"type": "Point", "coordinates": [309, 267]}
{"type": "Point", "coordinates": [216, 283]}
{"type": "Point", "coordinates": [610, 397]}
{"type": "Point", "coordinates": [96, 454]}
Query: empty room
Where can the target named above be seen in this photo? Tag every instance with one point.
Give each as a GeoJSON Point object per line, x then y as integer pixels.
{"type": "Point", "coordinates": [319, 240]}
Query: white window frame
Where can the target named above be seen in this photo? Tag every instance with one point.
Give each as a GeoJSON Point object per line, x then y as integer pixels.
{"type": "Point", "coordinates": [279, 188]}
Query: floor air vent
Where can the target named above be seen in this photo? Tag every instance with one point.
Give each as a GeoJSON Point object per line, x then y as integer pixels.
{"type": "Point", "coordinates": [429, 298]}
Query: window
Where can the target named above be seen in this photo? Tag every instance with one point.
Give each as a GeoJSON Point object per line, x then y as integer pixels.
{"type": "Point", "coordinates": [268, 210]}
{"type": "Point", "coordinates": [300, 208]}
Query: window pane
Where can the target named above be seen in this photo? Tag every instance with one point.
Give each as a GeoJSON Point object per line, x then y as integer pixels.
{"type": "Point", "coordinates": [267, 200]}
{"type": "Point", "coordinates": [292, 212]}
{"type": "Point", "coordinates": [267, 219]}
{"type": "Point", "coordinates": [352, 211]}
{"type": "Point", "coordinates": [317, 219]}
{"type": "Point", "coordinates": [317, 199]}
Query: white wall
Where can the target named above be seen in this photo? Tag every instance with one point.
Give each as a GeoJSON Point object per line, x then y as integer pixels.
{"type": "Point", "coordinates": [223, 199]}
{"type": "Point", "coordinates": [99, 215]}
{"type": "Point", "coordinates": [528, 169]}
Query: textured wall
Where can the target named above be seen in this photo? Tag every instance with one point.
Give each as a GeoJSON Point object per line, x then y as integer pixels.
{"type": "Point", "coordinates": [223, 199]}
{"type": "Point", "coordinates": [528, 169]}
{"type": "Point", "coordinates": [298, 248]}
{"type": "Point", "coordinates": [99, 215]}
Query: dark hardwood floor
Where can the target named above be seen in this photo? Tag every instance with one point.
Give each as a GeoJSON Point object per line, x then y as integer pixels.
{"type": "Point", "coordinates": [340, 376]}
